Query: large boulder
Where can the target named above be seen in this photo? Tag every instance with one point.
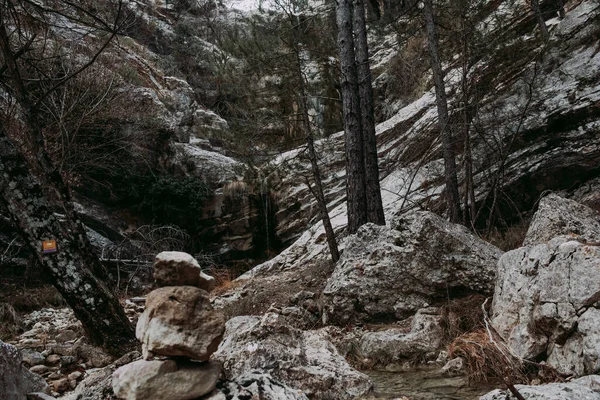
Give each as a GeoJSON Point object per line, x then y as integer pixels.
{"type": "Point", "coordinates": [175, 268]}
{"type": "Point", "coordinates": [180, 321]}
{"type": "Point", "coordinates": [390, 273]}
{"type": "Point", "coordinates": [165, 379]}
{"type": "Point", "coordinates": [587, 387]}
{"type": "Point", "coordinates": [559, 216]}
{"type": "Point", "coordinates": [15, 380]}
{"type": "Point", "coordinates": [546, 294]}
{"type": "Point", "coordinates": [303, 360]}
{"type": "Point", "coordinates": [257, 386]}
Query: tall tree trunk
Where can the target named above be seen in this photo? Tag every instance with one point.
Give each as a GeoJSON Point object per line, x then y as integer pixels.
{"type": "Point", "coordinates": [312, 155]}
{"type": "Point", "coordinates": [535, 7]}
{"type": "Point", "coordinates": [373, 191]}
{"type": "Point", "coordinates": [355, 177]}
{"type": "Point", "coordinates": [72, 266]}
{"type": "Point", "coordinates": [450, 172]}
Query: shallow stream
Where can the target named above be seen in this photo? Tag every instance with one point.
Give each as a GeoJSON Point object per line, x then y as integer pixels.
{"type": "Point", "coordinates": [426, 384]}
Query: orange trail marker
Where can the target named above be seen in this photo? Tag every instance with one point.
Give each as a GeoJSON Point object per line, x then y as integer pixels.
{"type": "Point", "coordinates": [49, 246]}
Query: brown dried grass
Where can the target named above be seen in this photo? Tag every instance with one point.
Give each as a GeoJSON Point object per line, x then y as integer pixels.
{"type": "Point", "coordinates": [462, 315]}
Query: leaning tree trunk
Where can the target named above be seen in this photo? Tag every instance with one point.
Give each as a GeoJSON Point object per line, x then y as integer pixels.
{"type": "Point", "coordinates": [373, 191]}
{"type": "Point", "coordinates": [99, 311]}
{"type": "Point", "coordinates": [355, 177]}
{"type": "Point", "coordinates": [535, 7]}
{"type": "Point", "coordinates": [450, 171]}
{"type": "Point", "coordinates": [312, 155]}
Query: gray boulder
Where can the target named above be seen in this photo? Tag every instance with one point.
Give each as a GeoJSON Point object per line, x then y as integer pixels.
{"type": "Point", "coordinates": [585, 388]}
{"type": "Point", "coordinates": [546, 293]}
{"type": "Point", "coordinates": [165, 379]}
{"type": "Point", "coordinates": [304, 360]}
{"type": "Point", "coordinates": [393, 346]}
{"type": "Point", "coordinates": [179, 321]}
{"type": "Point", "coordinates": [256, 386]}
{"type": "Point", "coordinates": [16, 380]}
{"type": "Point", "coordinates": [559, 216]}
{"type": "Point", "coordinates": [390, 273]}
{"type": "Point", "coordinates": [175, 268]}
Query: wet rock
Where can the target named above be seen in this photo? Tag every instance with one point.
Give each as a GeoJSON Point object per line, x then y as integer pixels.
{"type": "Point", "coordinates": [559, 216]}
{"type": "Point", "coordinates": [393, 346]}
{"type": "Point", "coordinates": [15, 380]}
{"type": "Point", "coordinates": [390, 273]}
{"type": "Point", "coordinates": [180, 321]}
{"type": "Point", "coordinates": [304, 360]}
{"type": "Point", "coordinates": [256, 386]}
{"type": "Point", "coordinates": [168, 379]}
{"type": "Point", "coordinates": [174, 268]}
{"type": "Point", "coordinates": [587, 387]}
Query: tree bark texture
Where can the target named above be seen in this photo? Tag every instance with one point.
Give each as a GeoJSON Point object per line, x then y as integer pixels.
{"type": "Point", "coordinates": [375, 212]}
{"type": "Point", "coordinates": [450, 171]}
{"type": "Point", "coordinates": [72, 266]}
{"type": "Point", "coordinates": [355, 160]}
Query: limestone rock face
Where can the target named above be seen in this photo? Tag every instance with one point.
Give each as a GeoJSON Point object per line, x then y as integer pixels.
{"type": "Point", "coordinates": [303, 360]}
{"type": "Point", "coordinates": [390, 273]}
{"type": "Point", "coordinates": [167, 379]}
{"type": "Point", "coordinates": [15, 380]}
{"type": "Point", "coordinates": [587, 387]}
{"type": "Point", "coordinates": [180, 321]}
{"type": "Point", "coordinates": [257, 386]}
{"type": "Point", "coordinates": [559, 216]}
{"type": "Point", "coordinates": [546, 294]}
{"type": "Point", "coordinates": [392, 346]}
{"type": "Point", "coordinates": [175, 268]}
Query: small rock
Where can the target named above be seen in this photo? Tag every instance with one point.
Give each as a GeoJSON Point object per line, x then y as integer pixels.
{"type": "Point", "coordinates": [168, 379]}
{"type": "Point", "coordinates": [74, 376]}
{"type": "Point", "coordinates": [32, 357]}
{"type": "Point", "coordinates": [55, 375]}
{"type": "Point", "coordinates": [174, 268]}
{"type": "Point", "coordinates": [60, 385]}
{"type": "Point", "coordinates": [39, 369]}
{"type": "Point", "coordinates": [53, 359]}
{"type": "Point", "coordinates": [67, 361]}
{"type": "Point", "coordinates": [66, 335]}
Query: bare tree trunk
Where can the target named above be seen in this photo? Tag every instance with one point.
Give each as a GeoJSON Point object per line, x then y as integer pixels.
{"type": "Point", "coordinates": [312, 155]}
{"type": "Point", "coordinates": [71, 267]}
{"type": "Point", "coordinates": [375, 212]}
{"type": "Point", "coordinates": [355, 176]}
{"type": "Point", "coordinates": [535, 7]}
{"type": "Point", "coordinates": [450, 171]}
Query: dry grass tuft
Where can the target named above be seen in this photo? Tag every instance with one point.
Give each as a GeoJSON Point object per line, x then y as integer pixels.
{"type": "Point", "coordinates": [224, 280]}
{"type": "Point", "coordinates": [488, 359]}
{"type": "Point", "coordinates": [462, 315]}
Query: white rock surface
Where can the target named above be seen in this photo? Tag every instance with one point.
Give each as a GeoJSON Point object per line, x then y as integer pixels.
{"type": "Point", "coordinates": [257, 386]}
{"type": "Point", "coordinates": [179, 321]}
{"type": "Point", "coordinates": [165, 379]}
{"type": "Point", "coordinates": [585, 388]}
{"type": "Point", "coordinates": [303, 360]}
{"type": "Point", "coordinates": [559, 216]}
{"type": "Point", "coordinates": [387, 273]}
{"type": "Point", "coordinates": [546, 294]}
{"type": "Point", "coordinates": [176, 268]}
{"type": "Point", "coordinates": [392, 346]}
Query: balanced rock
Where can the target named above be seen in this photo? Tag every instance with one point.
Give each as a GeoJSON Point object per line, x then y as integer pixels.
{"type": "Point", "coordinates": [179, 321]}
{"type": "Point", "coordinates": [175, 268]}
{"type": "Point", "coordinates": [166, 379]}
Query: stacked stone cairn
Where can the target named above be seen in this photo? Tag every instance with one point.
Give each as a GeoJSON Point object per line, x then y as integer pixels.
{"type": "Point", "coordinates": [179, 331]}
